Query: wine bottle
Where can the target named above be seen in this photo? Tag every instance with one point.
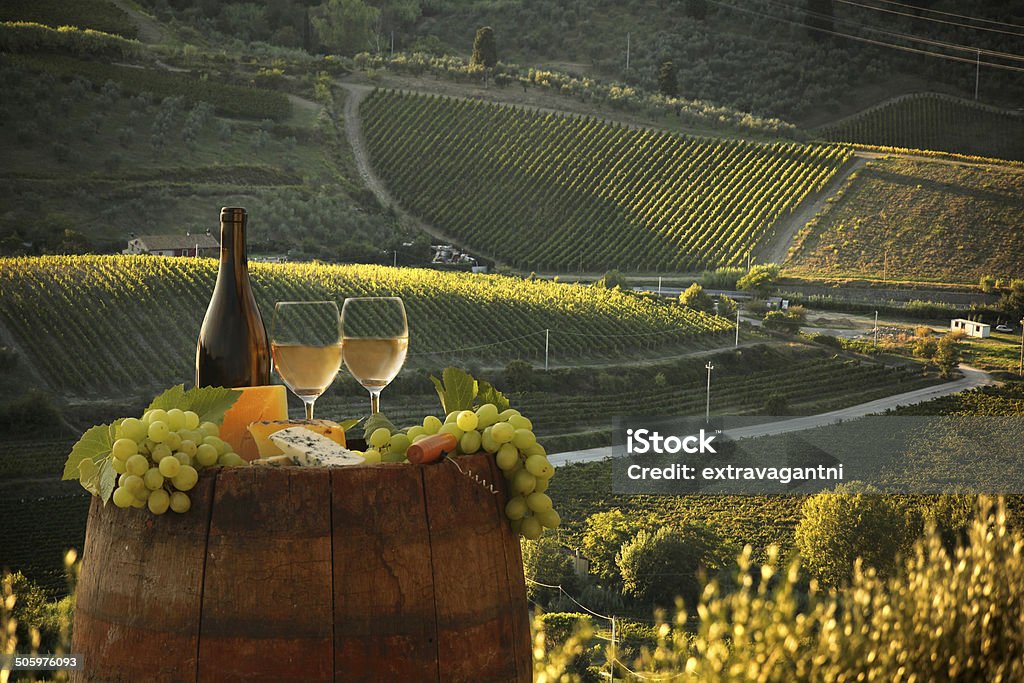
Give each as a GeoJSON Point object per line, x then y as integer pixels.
{"type": "Point", "coordinates": [233, 348]}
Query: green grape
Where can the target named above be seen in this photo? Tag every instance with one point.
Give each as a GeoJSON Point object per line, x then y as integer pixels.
{"type": "Point", "coordinates": [118, 465]}
{"type": "Point", "coordinates": [123, 498]}
{"type": "Point", "coordinates": [231, 459]}
{"type": "Point", "coordinates": [147, 446]}
{"type": "Point", "coordinates": [124, 449]}
{"type": "Point", "coordinates": [137, 464]}
{"type": "Point", "coordinates": [510, 474]}
{"type": "Point", "coordinates": [188, 447]}
{"type": "Point", "coordinates": [507, 457]}
{"type": "Point", "coordinates": [524, 482]}
{"type": "Point", "coordinates": [413, 432]}
{"type": "Point", "coordinates": [542, 485]}
{"type": "Point", "coordinates": [531, 529]}
{"type": "Point", "coordinates": [502, 432]}
{"type": "Point", "coordinates": [132, 428]}
{"type": "Point", "coordinates": [535, 449]}
{"type": "Point", "coordinates": [520, 422]}
{"type": "Point", "coordinates": [156, 415]}
{"type": "Point", "coordinates": [185, 479]}
{"type": "Point", "coordinates": [451, 428]}
{"type": "Point", "coordinates": [504, 415]}
{"type": "Point", "coordinates": [486, 415]}
{"type": "Point", "coordinates": [159, 501]}
{"type": "Point", "coordinates": [399, 443]}
{"type": "Point", "coordinates": [176, 419]}
{"type": "Point", "coordinates": [139, 502]}
{"type": "Point", "coordinates": [470, 442]}
{"type": "Point", "coordinates": [218, 443]}
{"type": "Point", "coordinates": [538, 502]}
{"type": "Point", "coordinates": [466, 420]}
{"type": "Point", "coordinates": [183, 458]}
{"type": "Point", "coordinates": [161, 451]}
{"type": "Point", "coordinates": [169, 467]}
{"type": "Point", "coordinates": [209, 429]}
{"type": "Point", "coordinates": [206, 455]}
{"type": "Point", "coordinates": [153, 479]}
{"type": "Point", "coordinates": [372, 456]}
{"type": "Point", "coordinates": [173, 441]}
{"type": "Point", "coordinates": [392, 457]}
{"type": "Point", "coordinates": [380, 437]}
{"type": "Point", "coordinates": [549, 519]}
{"type": "Point", "coordinates": [515, 508]}
{"type": "Point", "coordinates": [517, 525]}
{"type": "Point", "coordinates": [431, 424]}
{"type": "Point", "coordinates": [132, 483]}
{"type": "Point", "coordinates": [538, 466]}
{"type": "Point", "coordinates": [523, 438]}
{"type": "Point", "coordinates": [420, 437]}
{"type": "Point", "coordinates": [452, 416]}
{"type": "Point", "coordinates": [488, 442]}
{"type": "Point", "coordinates": [158, 431]}
{"type": "Point", "coordinates": [180, 502]}
{"type": "Point", "coordinates": [191, 420]}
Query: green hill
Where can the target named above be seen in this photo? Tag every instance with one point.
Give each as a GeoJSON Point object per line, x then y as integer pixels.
{"type": "Point", "coordinates": [931, 121]}
{"type": "Point", "coordinates": [546, 192]}
{"type": "Point", "coordinates": [914, 219]}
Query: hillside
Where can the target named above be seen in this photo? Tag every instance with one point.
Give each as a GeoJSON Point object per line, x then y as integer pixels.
{"type": "Point", "coordinates": [918, 219]}
{"type": "Point", "coordinates": [931, 121]}
{"type": "Point", "coordinates": [547, 192]}
{"type": "Point", "coordinates": [115, 324]}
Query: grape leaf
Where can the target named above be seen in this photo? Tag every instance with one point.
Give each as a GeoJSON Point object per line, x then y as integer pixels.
{"type": "Point", "coordinates": [107, 480]}
{"type": "Point", "coordinates": [375, 422]}
{"type": "Point", "coordinates": [172, 398]}
{"type": "Point", "coordinates": [210, 403]}
{"type": "Point", "coordinates": [488, 394]}
{"type": "Point", "coordinates": [95, 444]}
{"type": "Point", "coordinates": [457, 390]}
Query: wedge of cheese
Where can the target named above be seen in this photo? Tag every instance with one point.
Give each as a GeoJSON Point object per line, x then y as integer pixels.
{"type": "Point", "coordinates": [255, 404]}
{"type": "Point", "coordinates": [308, 448]}
{"type": "Point", "coordinates": [260, 432]}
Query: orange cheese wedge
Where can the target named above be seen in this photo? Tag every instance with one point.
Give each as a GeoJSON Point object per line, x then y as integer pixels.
{"type": "Point", "coordinates": [256, 404]}
{"type": "Point", "coordinates": [260, 432]}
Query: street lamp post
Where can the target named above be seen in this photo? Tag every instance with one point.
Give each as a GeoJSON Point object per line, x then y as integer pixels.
{"type": "Point", "coordinates": [707, 407]}
{"type": "Point", "coordinates": [1020, 370]}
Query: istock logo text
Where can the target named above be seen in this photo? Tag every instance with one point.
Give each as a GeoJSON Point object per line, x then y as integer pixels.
{"type": "Point", "coordinates": [641, 441]}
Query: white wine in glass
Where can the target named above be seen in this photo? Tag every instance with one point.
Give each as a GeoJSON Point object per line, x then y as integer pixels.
{"type": "Point", "coordinates": [375, 341]}
{"type": "Point", "coordinates": [305, 341]}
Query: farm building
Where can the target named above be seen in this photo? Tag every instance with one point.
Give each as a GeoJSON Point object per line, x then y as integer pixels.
{"type": "Point", "coordinates": [174, 245]}
{"type": "Point", "coordinates": [970, 327]}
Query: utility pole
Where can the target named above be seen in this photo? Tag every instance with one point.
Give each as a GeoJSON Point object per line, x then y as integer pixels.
{"type": "Point", "coordinates": [977, 75]}
{"type": "Point", "coordinates": [707, 407]}
{"type": "Point", "coordinates": [748, 260]}
{"type": "Point", "coordinates": [392, 43]}
{"type": "Point", "coordinates": [547, 340]}
{"type": "Point", "coordinates": [659, 285]}
{"type": "Point", "coordinates": [627, 52]}
{"type": "Point", "coordinates": [737, 325]}
{"type": "Point", "coordinates": [876, 328]}
{"type": "Point", "coordinates": [1020, 370]}
{"type": "Point", "coordinates": [395, 263]}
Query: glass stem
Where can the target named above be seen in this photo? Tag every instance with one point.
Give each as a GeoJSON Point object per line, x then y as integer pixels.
{"type": "Point", "coordinates": [374, 401]}
{"type": "Point", "coordinates": [309, 407]}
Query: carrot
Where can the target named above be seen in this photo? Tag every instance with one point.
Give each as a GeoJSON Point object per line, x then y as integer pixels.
{"type": "Point", "coordinates": [429, 449]}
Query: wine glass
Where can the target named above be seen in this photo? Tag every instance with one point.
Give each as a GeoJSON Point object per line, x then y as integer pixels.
{"type": "Point", "coordinates": [305, 341]}
{"type": "Point", "coordinates": [375, 334]}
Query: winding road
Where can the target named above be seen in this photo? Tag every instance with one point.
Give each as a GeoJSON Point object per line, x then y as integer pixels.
{"type": "Point", "coordinates": [972, 378]}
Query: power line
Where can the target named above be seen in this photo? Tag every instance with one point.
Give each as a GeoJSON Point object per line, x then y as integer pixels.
{"type": "Point", "coordinates": [951, 14]}
{"type": "Point", "coordinates": [871, 41]}
{"type": "Point", "coordinates": [938, 21]}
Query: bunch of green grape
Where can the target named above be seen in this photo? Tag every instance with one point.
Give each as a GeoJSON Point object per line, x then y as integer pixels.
{"type": "Point", "coordinates": [158, 458]}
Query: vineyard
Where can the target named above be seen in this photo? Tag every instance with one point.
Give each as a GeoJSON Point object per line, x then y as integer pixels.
{"type": "Point", "coordinates": [546, 191]}
{"type": "Point", "coordinates": [95, 323]}
{"type": "Point", "coordinates": [911, 219]}
{"type": "Point", "coordinates": [931, 121]}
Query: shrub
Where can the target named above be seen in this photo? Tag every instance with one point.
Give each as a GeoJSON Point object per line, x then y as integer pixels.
{"type": "Point", "coordinates": [605, 534]}
{"type": "Point", "coordinates": [657, 567]}
{"type": "Point", "coordinates": [613, 279]}
{"type": "Point", "coordinates": [925, 348]}
{"type": "Point", "coordinates": [695, 298]}
{"type": "Point", "coordinates": [853, 522]}
{"type": "Point", "coordinates": [519, 375]}
{"type": "Point", "coordinates": [545, 562]}
{"type": "Point", "coordinates": [947, 353]}
{"type": "Point", "coordinates": [760, 279]}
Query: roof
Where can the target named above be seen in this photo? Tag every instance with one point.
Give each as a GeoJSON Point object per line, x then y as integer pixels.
{"type": "Point", "coordinates": [168, 242]}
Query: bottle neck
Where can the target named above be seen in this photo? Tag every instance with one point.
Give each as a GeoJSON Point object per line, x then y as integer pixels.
{"type": "Point", "coordinates": [233, 257]}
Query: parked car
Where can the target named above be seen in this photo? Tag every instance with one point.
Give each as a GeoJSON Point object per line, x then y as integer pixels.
{"type": "Point", "coordinates": [1004, 328]}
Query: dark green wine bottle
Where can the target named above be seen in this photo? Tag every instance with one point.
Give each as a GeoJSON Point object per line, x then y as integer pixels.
{"type": "Point", "coordinates": [233, 348]}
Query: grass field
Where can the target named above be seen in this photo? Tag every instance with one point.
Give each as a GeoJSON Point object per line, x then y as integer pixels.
{"type": "Point", "coordinates": [910, 219]}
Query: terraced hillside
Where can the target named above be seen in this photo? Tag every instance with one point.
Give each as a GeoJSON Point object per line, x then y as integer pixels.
{"type": "Point", "coordinates": [96, 323]}
{"type": "Point", "coordinates": [932, 121]}
{"type": "Point", "coordinates": [925, 220]}
{"type": "Point", "coordinates": [545, 191]}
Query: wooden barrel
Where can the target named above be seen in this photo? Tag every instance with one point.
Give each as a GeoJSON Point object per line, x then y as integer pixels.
{"type": "Point", "coordinates": [369, 573]}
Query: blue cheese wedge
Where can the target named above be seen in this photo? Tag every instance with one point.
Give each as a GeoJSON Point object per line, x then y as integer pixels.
{"type": "Point", "coordinates": [305, 447]}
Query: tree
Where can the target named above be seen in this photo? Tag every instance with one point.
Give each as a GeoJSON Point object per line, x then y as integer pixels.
{"type": "Point", "coordinates": [727, 307]}
{"type": "Point", "coordinates": [605, 534]}
{"type": "Point", "coordinates": [667, 84]}
{"type": "Point", "coordinates": [852, 522]}
{"type": "Point", "coordinates": [346, 26]}
{"type": "Point", "coordinates": [820, 17]}
{"type": "Point", "coordinates": [760, 279]}
{"type": "Point", "coordinates": [1012, 301]}
{"type": "Point", "coordinates": [544, 562]}
{"type": "Point", "coordinates": [695, 298]}
{"type": "Point", "coordinates": [987, 283]}
{"type": "Point", "coordinates": [613, 279]}
{"type": "Point", "coordinates": [485, 50]}
{"type": "Point", "coordinates": [786, 321]}
{"type": "Point", "coordinates": [947, 354]}
{"type": "Point", "coordinates": [657, 567]}
{"type": "Point", "coordinates": [518, 375]}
